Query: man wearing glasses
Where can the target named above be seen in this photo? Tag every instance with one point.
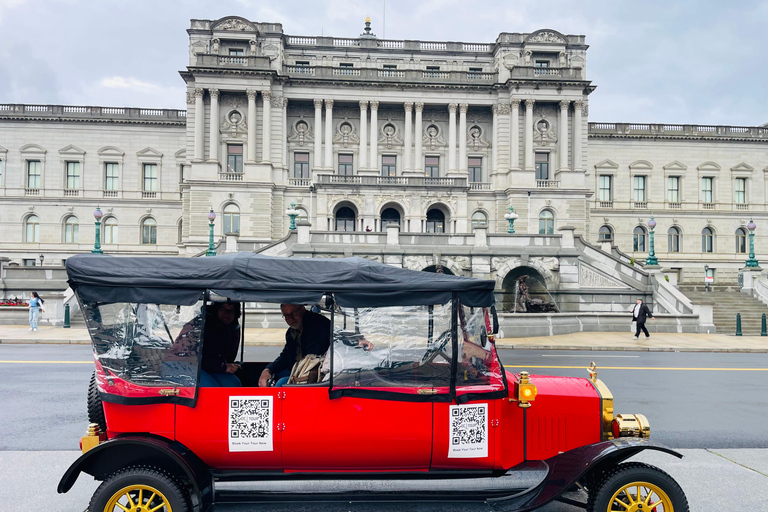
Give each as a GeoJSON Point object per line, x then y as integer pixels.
{"type": "Point", "coordinates": [308, 333]}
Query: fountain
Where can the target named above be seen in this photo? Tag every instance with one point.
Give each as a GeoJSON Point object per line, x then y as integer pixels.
{"type": "Point", "coordinates": [525, 293]}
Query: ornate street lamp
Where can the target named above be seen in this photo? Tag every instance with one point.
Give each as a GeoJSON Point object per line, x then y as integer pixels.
{"type": "Point", "coordinates": [651, 260]}
{"type": "Point", "coordinates": [292, 212]}
{"type": "Point", "coordinates": [511, 216]}
{"type": "Point", "coordinates": [211, 217]}
{"type": "Point", "coordinates": [752, 262]}
{"type": "Point", "coordinates": [97, 242]}
{"type": "Point", "coordinates": [41, 260]}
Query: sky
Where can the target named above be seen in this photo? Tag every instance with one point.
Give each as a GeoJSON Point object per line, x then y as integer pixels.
{"type": "Point", "coordinates": [685, 61]}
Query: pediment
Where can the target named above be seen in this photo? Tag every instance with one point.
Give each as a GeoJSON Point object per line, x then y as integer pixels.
{"type": "Point", "coordinates": [234, 24]}
{"type": "Point", "coordinates": [32, 148]}
{"type": "Point", "coordinates": [111, 151]}
{"type": "Point", "coordinates": [546, 36]}
{"type": "Point", "coordinates": [709, 166]}
{"type": "Point", "coordinates": [3, 150]}
{"type": "Point", "coordinates": [71, 150]}
{"type": "Point", "coordinates": [743, 167]}
{"type": "Point", "coordinates": [181, 154]}
{"type": "Point", "coordinates": [607, 164]}
{"type": "Point", "coordinates": [149, 152]}
{"type": "Point", "coordinates": [641, 164]}
{"type": "Point", "coordinates": [675, 165]}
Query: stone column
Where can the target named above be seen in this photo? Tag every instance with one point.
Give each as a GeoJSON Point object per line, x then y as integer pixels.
{"type": "Point", "coordinates": [328, 160]}
{"type": "Point", "coordinates": [495, 139]}
{"type": "Point", "coordinates": [577, 108]}
{"type": "Point", "coordinates": [408, 137]}
{"type": "Point", "coordinates": [318, 153]}
{"type": "Point", "coordinates": [266, 127]}
{"type": "Point", "coordinates": [528, 161]}
{"type": "Point", "coordinates": [451, 138]}
{"type": "Point", "coordinates": [213, 133]}
{"type": "Point", "coordinates": [418, 160]}
{"type": "Point", "coordinates": [286, 132]}
{"type": "Point", "coordinates": [563, 142]}
{"type": "Point", "coordinates": [251, 125]}
{"type": "Point", "coordinates": [463, 137]}
{"type": "Point", "coordinates": [199, 124]}
{"type": "Point", "coordinates": [374, 165]}
{"type": "Point", "coordinates": [514, 134]}
{"type": "Point", "coordinates": [363, 155]}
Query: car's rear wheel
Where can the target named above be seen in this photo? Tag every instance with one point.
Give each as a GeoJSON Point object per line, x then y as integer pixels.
{"type": "Point", "coordinates": [139, 489]}
{"type": "Point", "coordinates": [636, 487]}
{"type": "Point", "coordinates": [95, 407]}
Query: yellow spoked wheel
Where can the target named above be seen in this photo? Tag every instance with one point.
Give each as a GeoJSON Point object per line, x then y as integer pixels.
{"type": "Point", "coordinates": [138, 498]}
{"type": "Point", "coordinates": [140, 489]}
{"type": "Point", "coordinates": [636, 487]}
{"type": "Point", "coordinates": [641, 497]}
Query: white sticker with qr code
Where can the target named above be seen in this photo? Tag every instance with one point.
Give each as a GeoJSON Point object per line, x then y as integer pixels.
{"type": "Point", "coordinates": [250, 423]}
{"type": "Point", "coordinates": [469, 431]}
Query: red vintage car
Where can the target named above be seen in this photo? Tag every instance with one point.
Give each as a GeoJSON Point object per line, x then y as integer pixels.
{"type": "Point", "coordinates": [429, 413]}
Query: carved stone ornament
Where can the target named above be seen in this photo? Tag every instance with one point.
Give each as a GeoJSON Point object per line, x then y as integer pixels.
{"type": "Point", "coordinates": [300, 133]}
{"type": "Point", "coordinates": [233, 24]}
{"type": "Point", "coordinates": [403, 201]}
{"type": "Point", "coordinates": [589, 278]}
{"type": "Point", "coordinates": [476, 139]}
{"type": "Point", "coordinates": [561, 57]}
{"type": "Point", "coordinates": [276, 101]}
{"type": "Point", "coordinates": [514, 103]}
{"type": "Point", "coordinates": [334, 199]}
{"type": "Point", "coordinates": [529, 104]}
{"type": "Point", "coordinates": [433, 137]}
{"type": "Point", "coordinates": [415, 262]}
{"type": "Point", "coordinates": [374, 257]}
{"type": "Point", "coordinates": [503, 108]}
{"type": "Point", "coordinates": [328, 104]}
{"type": "Point", "coordinates": [419, 106]}
{"type": "Point", "coordinates": [318, 103]}
{"type": "Point", "coordinates": [374, 105]}
{"type": "Point", "coordinates": [364, 105]}
{"type": "Point", "coordinates": [511, 60]}
{"type": "Point", "coordinates": [408, 106]}
{"type": "Point", "coordinates": [234, 124]}
{"type": "Point", "coordinates": [214, 93]}
{"type": "Point", "coordinates": [463, 107]}
{"type": "Point", "coordinates": [452, 108]}
{"type": "Point", "coordinates": [345, 135]}
{"type": "Point", "coordinates": [254, 46]}
{"type": "Point", "coordinates": [527, 57]}
{"type": "Point", "coordinates": [266, 95]}
{"type": "Point", "coordinates": [578, 105]}
{"type": "Point", "coordinates": [232, 101]}
{"type": "Point", "coordinates": [252, 94]}
{"type": "Point", "coordinates": [543, 133]}
{"type": "Point", "coordinates": [190, 97]}
{"type": "Point", "coordinates": [390, 136]}
{"type": "Point", "coordinates": [199, 92]}
{"type": "Point", "coordinates": [214, 46]}
{"type": "Point", "coordinates": [545, 37]}
{"type": "Point", "coordinates": [463, 262]}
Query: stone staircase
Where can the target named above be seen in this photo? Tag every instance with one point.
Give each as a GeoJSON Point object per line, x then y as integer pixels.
{"type": "Point", "coordinates": [728, 301]}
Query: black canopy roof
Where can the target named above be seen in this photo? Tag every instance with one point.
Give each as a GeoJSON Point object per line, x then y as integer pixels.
{"type": "Point", "coordinates": [355, 282]}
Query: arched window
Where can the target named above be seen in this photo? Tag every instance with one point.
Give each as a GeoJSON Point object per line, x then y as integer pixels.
{"type": "Point", "coordinates": [638, 244]}
{"type": "Point", "coordinates": [707, 240]}
{"type": "Point", "coordinates": [605, 234]}
{"type": "Point", "coordinates": [389, 216]}
{"type": "Point", "coordinates": [109, 229]}
{"type": "Point", "coordinates": [741, 241]}
{"type": "Point", "coordinates": [149, 231]}
{"type": "Point", "coordinates": [435, 221]}
{"type": "Point", "coordinates": [345, 219]}
{"type": "Point", "coordinates": [673, 239]}
{"type": "Point", "coordinates": [32, 229]}
{"type": "Point", "coordinates": [71, 230]}
{"type": "Point", "coordinates": [303, 215]}
{"type": "Point", "coordinates": [180, 231]}
{"type": "Point", "coordinates": [479, 219]}
{"type": "Point", "coordinates": [231, 219]}
{"type": "Point", "coordinates": [546, 223]}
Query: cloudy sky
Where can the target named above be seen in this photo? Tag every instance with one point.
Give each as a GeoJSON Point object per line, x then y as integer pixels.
{"type": "Point", "coordinates": [687, 61]}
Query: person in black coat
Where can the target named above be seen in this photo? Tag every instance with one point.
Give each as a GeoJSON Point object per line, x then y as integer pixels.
{"type": "Point", "coordinates": [221, 341]}
{"type": "Point", "coordinates": [641, 313]}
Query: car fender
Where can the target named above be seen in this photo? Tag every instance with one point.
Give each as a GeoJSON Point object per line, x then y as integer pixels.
{"type": "Point", "coordinates": [135, 449]}
{"type": "Point", "coordinates": [565, 469]}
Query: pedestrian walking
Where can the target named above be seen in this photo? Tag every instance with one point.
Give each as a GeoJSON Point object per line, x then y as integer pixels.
{"type": "Point", "coordinates": [640, 313]}
{"type": "Point", "coordinates": [35, 308]}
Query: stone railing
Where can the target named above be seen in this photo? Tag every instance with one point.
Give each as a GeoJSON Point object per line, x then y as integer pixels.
{"type": "Point", "coordinates": [412, 181]}
{"type": "Point", "coordinates": [678, 130]}
{"type": "Point", "coordinates": [479, 185]}
{"type": "Point", "coordinates": [395, 75]}
{"type": "Point", "coordinates": [299, 182]}
{"type": "Point", "coordinates": [388, 44]}
{"type": "Point", "coordinates": [547, 183]}
{"type": "Point", "coordinates": [65, 112]}
{"type": "Point", "coordinates": [605, 204]}
{"type": "Point", "coordinates": [230, 176]}
{"type": "Point", "coordinates": [547, 73]}
{"type": "Point", "coordinates": [209, 60]}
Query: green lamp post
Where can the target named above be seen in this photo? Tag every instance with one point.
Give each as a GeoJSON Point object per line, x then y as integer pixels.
{"type": "Point", "coordinates": [97, 242]}
{"type": "Point", "coordinates": [511, 216]}
{"type": "Point", "coordinates": [752, 262]}
{"type": "Point", "coordinates": [651, 260]}
{"type": "Point", "coordinates": [211, 217]}
{"type": "Point", "coordinates": [292, 212]}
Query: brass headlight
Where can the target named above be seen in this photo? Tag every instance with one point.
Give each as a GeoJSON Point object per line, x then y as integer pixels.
{"type": "Point", "coordinates": [631, 425]}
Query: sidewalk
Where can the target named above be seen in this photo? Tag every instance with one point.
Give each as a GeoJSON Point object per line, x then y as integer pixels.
{"type": "Point", "coordinates": [662, 342]}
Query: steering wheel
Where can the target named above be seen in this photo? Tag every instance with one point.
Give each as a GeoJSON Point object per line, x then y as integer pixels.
{"type": "Point", "coordinates": [437, 348]}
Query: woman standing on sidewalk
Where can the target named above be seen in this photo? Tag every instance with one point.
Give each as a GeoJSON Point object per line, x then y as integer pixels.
{"type": "Point", "coordinates": [35, 307]}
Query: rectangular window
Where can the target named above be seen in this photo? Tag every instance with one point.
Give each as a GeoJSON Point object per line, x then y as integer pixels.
{"type": "Point", "coordinates": [605, 188]}
{"type": "Point", "coordinates": [301, 165]}
{"type": "Point", "coordinates": [73, 175]}
{"type": "Point", "coordinates": [673, 189]}
{"type": "Point", "coordinates": [740, 191]}
{"type": "Point", "coordinates": [639, 189]}
{"type": "Point", "coordinates": [389, 66]}
{"type": "Point", "coordinates": [346, 68]}
{"type": "Point", "coordinates": [389, 165]}
{"type": "Point", "coordinates": [432, 72]}
{"type": "Point", "coordinates": [30, 262]}
{"type": "Point", "coordinates": [475, 168]}
{"type": "Point", "coordinates": [432, 166]}
{"type": "Point", "coordinates": [234, 158]}
{"type": "Point", "coordinates": [34, 169]}
{"type": "Point", "coordinates": [542, 166]}
{"type": "Point", "coordinates": [706, 190]}
{"type": "Point", "coordinates": [150, 177]}
{"type": "Point", "coordinates": [111, 181]}
{"type": "Point", "coordinates": [474, 73]}
{"type": "Point", "coordinates": [541, 64]}
{"type": "Point", "coordinates": [345, 165]}
{"type": "Point", "coordinates": [236, 52]}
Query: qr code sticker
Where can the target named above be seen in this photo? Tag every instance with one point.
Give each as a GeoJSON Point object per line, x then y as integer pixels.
{"type": "Point", "coordinates": [250, 423]}
{"type": "Point", "coordinates": [468, 431]}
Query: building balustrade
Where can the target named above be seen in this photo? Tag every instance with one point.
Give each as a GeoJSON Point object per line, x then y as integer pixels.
{"type": "Point", "coordinates": [742, 206]}
{"type": "Point", "coordinates": [677, 130]}
{"type": "Point", "coordinates": [71, 193]}
{"type": "Point", "coordinates": [299, 182]}
{"type": "Point", "coordinates": [230, 176]}
{"type": "Point", "coordinates": [209, 60]}
{"type": "Point", "coordinates": [390, 44]}
{"type": "Point", "coordinates": [547, 73]}
{"type": "Point", "coordinates": [479, 185]}
{"type": "Point", "coordinates": [707, 206]}
{"type": "Point", "coordinates": [413, 181]}
{"type": "Point", "coordinates": [110, 193]}
{"type": "Point", "coordinates": [605, 204]}
{"type": "Point", "coordinates": [148, 195]}
{"type": "Point", "coordinates": [31, 191]}
{"type": "Point", "coordinates": [79, 112]}
{"type": "Point", "coordinates": [674, 206]}
{"type": "Point", "coordinates": [643, 205]}
{"type": "Point", "coordinates": [547, 183]}
{"type": "Point", "coordinates": [389, 74]}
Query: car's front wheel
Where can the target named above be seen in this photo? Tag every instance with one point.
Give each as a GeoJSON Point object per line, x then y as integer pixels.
{"type": "Point", "coordinates": [139, 489]}
{"type": "Point", "coordinates": [636, 487]}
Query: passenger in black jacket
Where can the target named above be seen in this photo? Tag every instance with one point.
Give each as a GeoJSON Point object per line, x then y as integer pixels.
{"type": "Point", "coordinates": [221, 341]}
{"type": "Point", "coordinates": [640, 313]}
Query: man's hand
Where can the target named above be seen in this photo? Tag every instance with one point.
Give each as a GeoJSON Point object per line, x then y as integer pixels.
{"type": "Point", "coordinates": [232, 367]}
{"type": "Point", "coordinates": [265, 376]}
{"type": "Point", "coordinates": [367, 345]}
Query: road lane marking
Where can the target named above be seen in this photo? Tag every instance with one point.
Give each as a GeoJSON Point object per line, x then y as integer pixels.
{"type": "Point", "coordinates": [47, 362]}
{"type": "Point", "coordinates": [568, 355]}
{"type": "Point", "coordinates": [642, 368]}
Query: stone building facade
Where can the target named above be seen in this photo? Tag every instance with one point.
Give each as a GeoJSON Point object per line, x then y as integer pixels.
{"type": "Point", "coordinates": [361, 133]}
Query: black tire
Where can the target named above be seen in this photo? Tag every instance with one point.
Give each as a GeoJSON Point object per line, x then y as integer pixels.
{"type": "Point", "coordinates": [135, 482]}
{"type": "Point", "coordinates": [612, 485]}
{"type": "Point", "coordinates": [95, 407]}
